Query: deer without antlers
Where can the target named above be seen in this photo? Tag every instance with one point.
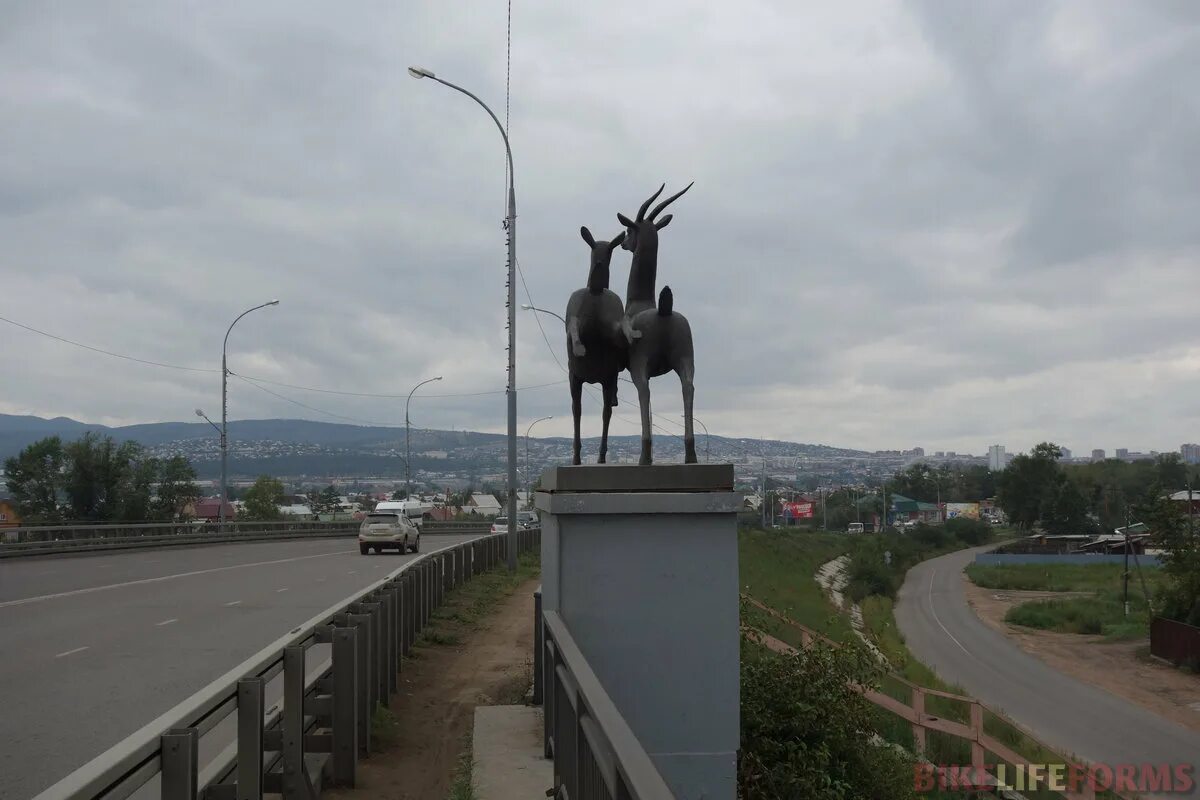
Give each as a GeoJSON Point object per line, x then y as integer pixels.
{"type": "Point", "coordinates": [661, 339]}
{"type": "Point", "coordinates": [597, 337]}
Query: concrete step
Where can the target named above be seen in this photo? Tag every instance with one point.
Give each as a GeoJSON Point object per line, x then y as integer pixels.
{"type": "Point", "coordinates": [509, 765]}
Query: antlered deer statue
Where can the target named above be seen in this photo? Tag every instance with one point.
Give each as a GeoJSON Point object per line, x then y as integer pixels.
{"type": "Point", "coordinates": [661, 338]}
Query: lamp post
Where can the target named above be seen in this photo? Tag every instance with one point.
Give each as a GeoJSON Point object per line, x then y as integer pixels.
{"type": "Point", "coordinates": [225, 411]}
{"type": "Point", "coordinates": [407, 451]}
{"type": "Point", "coordinates": [528, 480]}
{"type": "Point", "coordinates": [216, 427]}
{"type": "Point", "coordinates": [525, 307]}
{"type": "Point", "coordinates": [705, 427]}
{"type": "Point", "coordinates": [510, 225]}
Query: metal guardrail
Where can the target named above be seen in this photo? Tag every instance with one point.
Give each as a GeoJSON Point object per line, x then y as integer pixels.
{"type": "Point", "coordinates": [322, 725]}
{"type": "Point", "coordinates": [596, 754]}
{"type": "Point", "coordinates": [52, 540]}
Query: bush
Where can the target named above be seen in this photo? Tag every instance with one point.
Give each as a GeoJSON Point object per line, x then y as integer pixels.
{"type": "Point", "coordinates": [969, 531]}
{"type": "Point", "coordinates": [806, 733]}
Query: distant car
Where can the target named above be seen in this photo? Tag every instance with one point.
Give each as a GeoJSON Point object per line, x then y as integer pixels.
{"type": "Point", "coordinates": [527, 519]}
{"type": "Point", "coordinates": [855, 527]}
{"type": "Point", "coordinates": [388, 531]}
{"type": "Point", "coordinates": [500, 525]}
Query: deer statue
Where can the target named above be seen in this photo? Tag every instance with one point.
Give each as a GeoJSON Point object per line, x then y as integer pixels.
{"type": "Point", "coordinates": [661, 339]}
{"type": "Point", "coordinates": [598, 335]}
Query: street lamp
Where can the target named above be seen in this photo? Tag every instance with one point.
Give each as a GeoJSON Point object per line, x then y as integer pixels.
{"type": "Point", "coordinates": [407, 451]}
{"type": "Point", "coordinates": [528, 481]}
{"type": "Point", "coordinates": [225, 411]}
{"type": "Point", "coordinates": [525, 307]}
{"type": "Point", "coordinates": [510, 225]}
{"type": "Point", "coordinates": [203, 416]}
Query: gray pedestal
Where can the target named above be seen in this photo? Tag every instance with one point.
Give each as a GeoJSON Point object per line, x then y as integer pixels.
{"type": "Point", "coordinates": [641, 563]}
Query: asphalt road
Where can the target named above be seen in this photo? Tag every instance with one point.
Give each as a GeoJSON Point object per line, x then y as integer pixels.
{"type": "Point", "coordinates": [942, 630]}
{"type": "Point", "coordinates": [95, 646]}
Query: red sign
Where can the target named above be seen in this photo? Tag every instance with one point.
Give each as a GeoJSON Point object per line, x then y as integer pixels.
{"type": "Point", "coordinates": [798, 510]}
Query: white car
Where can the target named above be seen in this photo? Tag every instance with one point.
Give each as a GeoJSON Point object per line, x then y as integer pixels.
{"type": "Point", "coordinates": [388, 530]}
{"type": "Point", "coordinates": [500, 525]}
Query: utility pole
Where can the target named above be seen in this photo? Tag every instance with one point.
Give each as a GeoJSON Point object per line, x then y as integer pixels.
{"type": "Point", "coordinates": [764, 493]}
{"type": "Point", "coordinates": [824, 511]}
{"type": "Point", "coordinates": [1125, 576]}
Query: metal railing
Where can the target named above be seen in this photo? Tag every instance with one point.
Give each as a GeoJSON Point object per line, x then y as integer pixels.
{"type": "Point", "coordinates": [54, 539]}
{"type": "Point", "coordinates": [596, 754]}
{"type": "Point", "coordinates": [322, 724]}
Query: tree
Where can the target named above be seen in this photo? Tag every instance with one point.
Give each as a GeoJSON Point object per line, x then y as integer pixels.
{"type": "Point", "coordinates": [1065, 509]}
{"type": "Point", "coordinates": [35, 476]}
{"type": "Point", "coordinates": [328, 501]}
{"type": "Point", "coordinates": [263, 499]}
{"type": "Point", "coordinates": [792, 745]}
{"type": "Point", "coordinates": [103, 478]}
{"type": "Point", "coordinates": [177, 488]}
{"type": "Point", "coordinates": [1179, 539]}
{"type": "Point", "coordinates": [1029, 479]}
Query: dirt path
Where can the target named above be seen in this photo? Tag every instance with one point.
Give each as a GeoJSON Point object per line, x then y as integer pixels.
{"type": "Point", "coordinates": [1113, 666]}
{"type": "Point", "coordinates": [436, 704]}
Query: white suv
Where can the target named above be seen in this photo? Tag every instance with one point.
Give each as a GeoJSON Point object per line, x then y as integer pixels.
{"type": "Point", "coordinates": [388, 530]}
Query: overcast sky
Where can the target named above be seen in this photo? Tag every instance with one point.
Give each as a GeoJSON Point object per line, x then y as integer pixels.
{"type": "Point", "coordinates": [941, 224]}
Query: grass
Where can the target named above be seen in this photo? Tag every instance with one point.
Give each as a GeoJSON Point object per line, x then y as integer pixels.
{"type": "Point", "coordinates": [385, 727]}
{"type": "Point", "coordinates": [1060, 577]}
{"type": "Point", "coordinates": [776, 567]}
{"type": "Point", "coordinates": [462, 785]}
{"type": "Point", "coordinates": [466, 605]}
{"type": "Point", "coordinates": [1101, 614]}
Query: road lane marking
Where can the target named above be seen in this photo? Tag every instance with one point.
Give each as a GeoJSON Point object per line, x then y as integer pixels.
{"type": "Point", "coordinates": [284, 589]}
{"type": "Point", "coordinates": [166, 622]}
{"type": "Point", "coordinates": [72, 652]}
{"type": "Point", "coordinates": [143, 581]}
{"type": "Point", "coordinates": [933, 611]}
{"type": "Point", "coordinates": [321, 579]}
{"type": "Point", "coordinates": [233, 603]}
{"type": "Point", "coordinates": [352, 572]}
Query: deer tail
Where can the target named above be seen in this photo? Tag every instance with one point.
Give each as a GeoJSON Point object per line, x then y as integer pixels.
{"type": "Point", "coordinates": [666, 302]}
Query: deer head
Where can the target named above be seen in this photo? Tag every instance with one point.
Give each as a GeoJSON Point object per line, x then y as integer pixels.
{"type": "Point", "coordinates": [601, 255]}
{"type": "Point", "coordinates": [645, 227]}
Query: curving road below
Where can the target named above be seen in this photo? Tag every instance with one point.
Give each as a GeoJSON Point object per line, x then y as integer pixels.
{"type": "Point", "coordinates": [95, 646]}
{"type": "Point", "coordinates": [942, 630]}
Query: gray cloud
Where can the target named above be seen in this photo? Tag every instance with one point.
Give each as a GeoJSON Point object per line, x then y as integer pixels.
{"type": "Point", "coordinates": [927, 223]}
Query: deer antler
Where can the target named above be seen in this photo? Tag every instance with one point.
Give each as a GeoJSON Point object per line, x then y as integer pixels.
{"type": "Point", "coordinates": [641, 215]}
{"type": "Point", "coordinates": [666, 202]}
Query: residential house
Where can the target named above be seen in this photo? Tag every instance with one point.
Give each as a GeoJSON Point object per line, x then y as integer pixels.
{"type": "Point", "coordinates": [209, 509]}
{"type": "Point", "coordinates": [485, 505]}
{"type": "Point", "coordinates": [8, 515]}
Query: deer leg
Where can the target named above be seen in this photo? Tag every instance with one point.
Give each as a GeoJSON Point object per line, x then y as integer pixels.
{"type": "Point", "coordinates": [627, 328]}
{"type": "Point", "coordinates": [610, 400]}
{"type": "Point", "coordinates": [640, 376]}
{"type": "Point", "coordinates": [686, 371]}
{"type": "Point", "coordinates": [576, 411]}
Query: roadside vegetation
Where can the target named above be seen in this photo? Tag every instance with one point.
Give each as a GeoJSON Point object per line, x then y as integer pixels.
{"type": "Point", "coordinates": [1097, 608]}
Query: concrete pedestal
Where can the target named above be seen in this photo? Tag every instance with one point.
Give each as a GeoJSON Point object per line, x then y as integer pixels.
{"type": "Point", "coordinates": [641, 563]}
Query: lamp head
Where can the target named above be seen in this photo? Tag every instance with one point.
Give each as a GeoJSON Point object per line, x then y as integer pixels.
{"type": "Point", "coordinates": [420, 72]}
{"type": "Point", "coordinates": [526, 307]}
{"type": "Point", "coordinates": [199, 413]}
{"type": "Point", "coordinates": [273, 303]}
{"type": "Point", "coordinates": [438, 378]}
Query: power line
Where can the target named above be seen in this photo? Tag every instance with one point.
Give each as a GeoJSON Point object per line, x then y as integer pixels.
{"type": "Point", "coordinates": [106, 352]}
{"type": "Point", "coordinates": [149, 362]}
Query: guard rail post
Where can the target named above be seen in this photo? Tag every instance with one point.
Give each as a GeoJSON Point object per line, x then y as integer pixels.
{"type": "Point", "coordinates": [364, 693]}
{"type": "Point", "coordinates": [345, 708]}
{"type": "Point", "coordinates": [180, 764]}
{"type": "Point", "coordinates": [537, 647]}
{"type": "Point", "coordinates": [251, 704]}
{"type": "Point", "coordinates": [296, 783]}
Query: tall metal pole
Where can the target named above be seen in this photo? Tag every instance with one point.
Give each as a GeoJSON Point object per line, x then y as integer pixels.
{"type": "Point", "coordinates": [225, 413]}
{"type": "Point", "coordinates": [510, 226]}
{"type": "Point", "coordinates": [407, 450]}
{"type": "Point", "coordinates": [528, 476]}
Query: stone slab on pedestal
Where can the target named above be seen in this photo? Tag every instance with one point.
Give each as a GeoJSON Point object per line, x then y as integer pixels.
{"type": "Point", "coordinates": [641, 564]}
